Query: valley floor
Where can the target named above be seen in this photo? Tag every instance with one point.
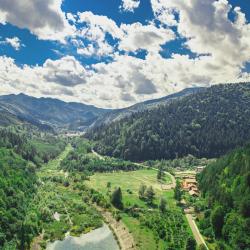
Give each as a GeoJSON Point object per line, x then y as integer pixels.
{"type": "Point", "coordinates": [68, 198]}
{"type": "Point", "coordinates": [129, 182]}
{"type": "Point", "coordinates": [58, 198]}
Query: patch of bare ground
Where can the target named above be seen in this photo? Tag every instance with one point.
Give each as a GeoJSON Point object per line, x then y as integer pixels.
{"type": "Point", "coordinates": [35, 245]}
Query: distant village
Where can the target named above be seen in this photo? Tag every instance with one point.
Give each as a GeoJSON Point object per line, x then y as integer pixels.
{"type": "Point", "coordinates": [188, 180]}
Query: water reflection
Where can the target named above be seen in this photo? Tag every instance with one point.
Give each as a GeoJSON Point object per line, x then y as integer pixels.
{"type": "Point", "coordinates": [99, 239]}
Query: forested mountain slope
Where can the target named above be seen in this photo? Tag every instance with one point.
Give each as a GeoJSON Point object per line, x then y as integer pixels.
{"type": "Point", "coordinates": [226, 186]}
{"type": "Point", "coordinates": [10, 119]}
{"type": "Point", "coordinates": [119, 114]}
{"type": "Point", "coordinates": [22, 154]}
{"type": "Point", "coordinates": [17, 185]}
{"type": "Point", "coordinates": [52, 112]}
{"type": "Point", "coordinates": [208, 123]}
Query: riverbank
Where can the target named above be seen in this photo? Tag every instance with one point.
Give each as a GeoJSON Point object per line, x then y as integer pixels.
{"type": "Point", "coordinates": [121, 232]}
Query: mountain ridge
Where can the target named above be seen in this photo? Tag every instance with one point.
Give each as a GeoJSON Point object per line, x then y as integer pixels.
{"type": "Point", "coordinates": [49, 111]}
{"type": "Point", "coordinates": [58, 114]}
{"type": "Point", "coordinates": [118, 114]}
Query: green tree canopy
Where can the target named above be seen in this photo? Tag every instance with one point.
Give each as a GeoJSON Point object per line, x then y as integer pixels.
{"type": "Point", "coordinates": [150, 195]}
{"type": "Point", "coordinates": [116, 198]}
{"type": "Point", "coordinates": [163, 205]}
{"type": "Point", "coordinates": [191, 244]}
{"type": "Point", "coordinates": [217, 220]}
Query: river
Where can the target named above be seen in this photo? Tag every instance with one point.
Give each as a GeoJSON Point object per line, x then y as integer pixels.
{"type": "Point", "coordinates": [99, 239]}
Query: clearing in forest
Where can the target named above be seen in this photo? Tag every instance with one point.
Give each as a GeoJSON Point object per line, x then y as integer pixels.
{"type": "Point", "coordinates": [129, 182]}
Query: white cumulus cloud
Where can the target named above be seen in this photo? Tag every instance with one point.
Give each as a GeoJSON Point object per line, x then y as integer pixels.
{"type": "Point", "coordinates": [14, 42]}
{"type": "Point", "coordinates": [130, 5]}
{"type": "Point", "coordinates": [95, 29]}
{"type": "Point", "coordinates": [127, 37]}
{"type": "Point", "coordinates": [66, 71]}
{"type": "Point", "coordinates": [148, 37]}
{"type": "Point", "coordinates": [208, 29]}
{"type": "Point", "coordinates": [45, 19]}
{"type": "Point", "coordinates": [54, 78]}
{"type": "Point", "coordinates": [220, 49]}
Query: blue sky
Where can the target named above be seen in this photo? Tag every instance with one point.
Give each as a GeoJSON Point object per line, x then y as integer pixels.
{"type": "Point", "coordinates": [116, 53]}
{"type": "Point", "coordinates": [108, 8]}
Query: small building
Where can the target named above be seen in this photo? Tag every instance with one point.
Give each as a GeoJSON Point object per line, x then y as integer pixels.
{"type": "Point", "coordinates": [195, 189]}
{"type": "Point", "coordinates": [188, 183]}
{"type": "Point", "coordinates": [193, 193]}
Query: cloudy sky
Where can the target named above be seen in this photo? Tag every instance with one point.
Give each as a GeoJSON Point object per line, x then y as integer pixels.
{"type": "Point", "coordinates": [114, 53]}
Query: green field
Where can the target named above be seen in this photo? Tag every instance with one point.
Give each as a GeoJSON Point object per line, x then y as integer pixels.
{"type": "Point", "coordinates": [129, 182]}
{"type": "Point", "coordinates": [144, 237]}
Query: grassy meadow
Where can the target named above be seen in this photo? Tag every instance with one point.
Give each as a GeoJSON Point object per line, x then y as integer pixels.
{"type": "Point", "coordinates": [129, 182]}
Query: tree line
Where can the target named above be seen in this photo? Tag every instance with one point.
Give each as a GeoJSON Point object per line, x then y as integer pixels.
{"type": "Point", "coordinates": [17, 186]}
{"type": "Point", "coordinates": [80, 160]}
{"type": "Point", "coordinates": [31, 148]}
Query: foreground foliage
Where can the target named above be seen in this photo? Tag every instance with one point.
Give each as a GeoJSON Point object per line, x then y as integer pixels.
{"type": "Point", "coordinates": [21, 155]}
{"type": "Point", "coordinates": [17, 185]}
{"type": "Point", "coordinates": [226, 186]}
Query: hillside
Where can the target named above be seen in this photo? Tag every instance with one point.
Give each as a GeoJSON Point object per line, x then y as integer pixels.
{"type": "Point", "coordinates": [21, 156]}
{"type": "Point", "coordinates": [48, 114]}
{"type": "Point", "coordinates": [47, 111]}
{"type": "Point", "coordinates": [17, 182]}
{"type": "Point", "coordinates": [208, 124]}
{"type": "Point", "coordinates": [226, 186]}
{"type": "Point", "coordinates": [119, 114]}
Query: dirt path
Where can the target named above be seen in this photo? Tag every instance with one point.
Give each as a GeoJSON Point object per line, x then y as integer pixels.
{"type": "Point", "coordinates": [197, 235]}
{"type": "Point", "coordinates": [124, 237]}
{"type": "Point", "coordinates": [173, 180]}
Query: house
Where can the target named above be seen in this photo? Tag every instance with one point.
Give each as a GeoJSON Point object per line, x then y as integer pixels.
{"type": "Point", "coordinates": [195, 189]}
{"type": "Point", "coordinates": [188, 183]}
{"type": "Point", "coordinates": [193, 193]}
